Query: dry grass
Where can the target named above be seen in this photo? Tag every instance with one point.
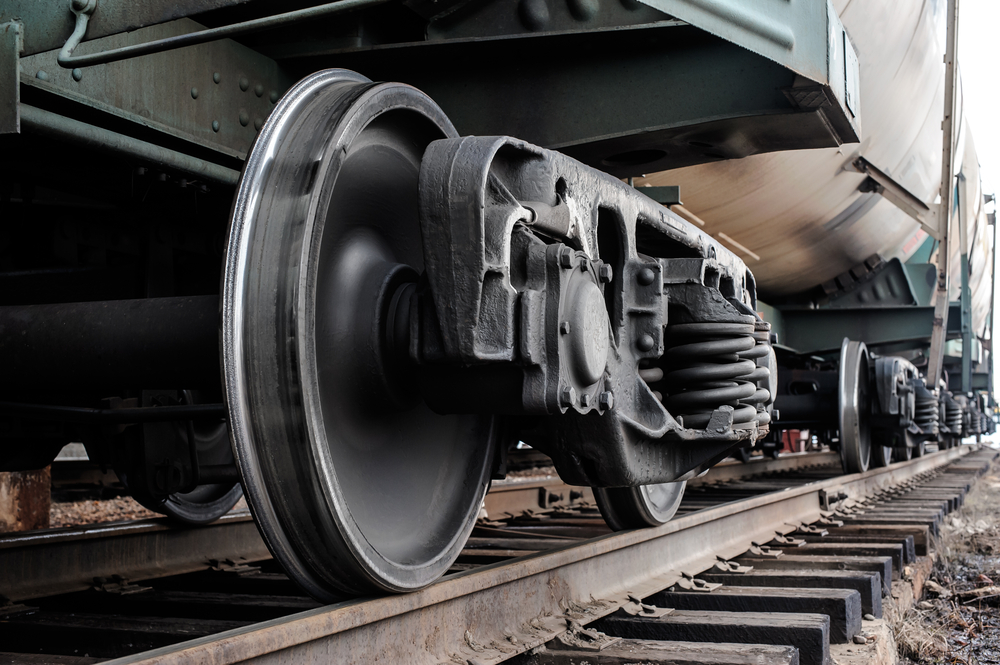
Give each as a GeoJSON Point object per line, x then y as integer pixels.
{"type": "Point", "coordinates": [950, 625]}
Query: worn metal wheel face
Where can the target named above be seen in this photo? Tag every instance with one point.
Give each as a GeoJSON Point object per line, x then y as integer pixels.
{"type": "Point", "coordinates": [355, 484]}
{"type": "Point", "coordinates": [206, 503]}
{"type": "Point", "coordinates": [854, 406]}
{"type": "Point", "coordinates": [639, 507]}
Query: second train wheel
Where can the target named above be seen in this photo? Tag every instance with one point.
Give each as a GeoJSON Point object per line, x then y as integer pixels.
{"type": "Point", "coordinates": [356, 485]}
{"type": "Point", "coordinates": [854, 406]}
{"type": "Point", "coordinates": [639, 507]}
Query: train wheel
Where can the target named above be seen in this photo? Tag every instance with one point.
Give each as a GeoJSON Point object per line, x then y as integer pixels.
{"type": "Point", "coordinates": [881, 455]}
{"type": "Point", "coordinates": [854, 407]}
{"type": "Point", "coordinates": [356, 485]}
{"type": "Point", "coordinates": [639, 507]}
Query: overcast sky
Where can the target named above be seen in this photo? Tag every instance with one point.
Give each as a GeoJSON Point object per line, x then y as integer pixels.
{"type": "Point", "coordinates": [978, 49]}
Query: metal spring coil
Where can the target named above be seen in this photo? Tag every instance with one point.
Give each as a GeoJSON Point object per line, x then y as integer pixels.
{"type": "Point", "coordinates": [927, 414]}
{"type": "Point", "coordinates": [712, 365]}
{"type": "Point", "coordinates": [953, 415]}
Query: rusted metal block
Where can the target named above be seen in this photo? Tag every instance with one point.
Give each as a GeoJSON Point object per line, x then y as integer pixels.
{"type": "Point", "coordinates": [24, 500]}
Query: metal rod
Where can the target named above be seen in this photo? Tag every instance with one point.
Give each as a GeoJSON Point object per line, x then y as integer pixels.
{"type": "Point", "coordinates": [68, 60]}
{"type": "Point", "coordinates": [112, 345]}
{"type": "Point", "coordinates": [143, 414]}
{"type": "Point", "coordinates": [66, 129]}
{"type": "Point", "coordinates": [935, 360]}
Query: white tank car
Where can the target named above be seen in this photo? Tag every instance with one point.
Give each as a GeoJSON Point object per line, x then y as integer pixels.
{"type": "Point", "coordinates": [801, 212]}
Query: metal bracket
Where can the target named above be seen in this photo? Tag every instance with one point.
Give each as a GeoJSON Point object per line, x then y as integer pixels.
{"type": "Point", "coordinates": [636, 608]}
{"type": "Point", "coordinates": [11, 45]}
{"type": "Point", "coordinates": [765, 551]}
{"type": "Point", "coordinates": [811, 530]}
{"type": "Point", "coordinates": [118, 586]}
{"type": "Point", "coordinates": [730, 567]}
{"type": "Point", "coordinates": [231, 567]}
{"type": "Point", "coordinates": [786, 541]}
{"type": "Point", "coordinates": [882, 183]}
{"type": "Point", "coordinates": [691, 583]}
{"type": "Point", "coordinates": [583, 639]}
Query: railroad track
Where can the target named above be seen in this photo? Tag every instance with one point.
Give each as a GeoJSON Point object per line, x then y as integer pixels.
{"type": "Point", "coordinates": [525, 578]}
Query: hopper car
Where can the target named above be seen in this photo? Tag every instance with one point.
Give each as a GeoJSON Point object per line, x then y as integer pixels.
{"type": "Point", "coordinates": [339, 259]}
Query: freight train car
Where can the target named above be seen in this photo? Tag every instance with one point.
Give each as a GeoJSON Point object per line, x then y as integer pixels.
{"type": "Point", "coordinates": [234, 262]}
{"type": "Point", "coordinates": [835, 258]}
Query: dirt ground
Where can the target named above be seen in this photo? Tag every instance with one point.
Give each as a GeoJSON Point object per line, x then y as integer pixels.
{"type": "Point", "coordinates": [958, 620]}
{"type": "Point", "coordinates": [92, 511]}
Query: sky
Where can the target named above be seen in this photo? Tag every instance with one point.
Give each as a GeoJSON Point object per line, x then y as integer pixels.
{"type": "Point", "coordinates": [979, 61]}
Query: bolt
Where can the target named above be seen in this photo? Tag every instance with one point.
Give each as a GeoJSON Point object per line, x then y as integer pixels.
{"type": "Point", "coordinates": [215, 125]}
{"type": "Point", "coordinates": [645, 342]}
{"type": "Point", "coordinates": [258, 90]}
{"type": "Point", "coordinates": [566, 258]}
{"type": "Point", "coordinates": [258, 123]}
{"type": "Point", "coordinates": [244, 83]}
{"type": "Point", "coordinates": [568, 396]}
{"type": "Point", "coordinates": [605, 273]}
{"type": "Point", "coordinates": [585, 400]}
{"type": "Point", "coordinates": [217, 77]}
{"type": "Point", "coordinates": [77, 74]}
{"type": "Point", "coordinates": [606, 401]}
{"type": "Point", "coordinates": [646, 276]}
{"type": "Point", "coordinates": [194, 93]}
{"type": "Point", "coordinates": [244, 118]}
{"type": "Point", "coordinates": [564, 327]}
{"type": "Point", "coordinates": [274, 96]}
{"type": "Point", "coordinates": [42, 75]}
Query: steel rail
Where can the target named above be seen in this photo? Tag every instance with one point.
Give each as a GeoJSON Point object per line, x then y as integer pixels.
{"type": "Point", "coordinates": [42, 563]}
{"type": "Point", "coordinates": [489, 614]}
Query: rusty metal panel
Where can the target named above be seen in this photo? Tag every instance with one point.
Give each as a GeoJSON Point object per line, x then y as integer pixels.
{"type": "Point", "coordinates": [216, 94]}
{"type": "Point", "coordinates": [50, 22]}
{"type": "Point", "coordinates": [10, 90]}
{"type": "Point", "coordinates": [24, 500]}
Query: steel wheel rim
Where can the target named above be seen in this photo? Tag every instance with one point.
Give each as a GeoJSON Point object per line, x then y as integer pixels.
{"type": "Point", "coordinates": [855, 436]}
{"type": "Point", "coordinates": [639, 507]}
{"type": "Point", "coordinates": [319, 515]}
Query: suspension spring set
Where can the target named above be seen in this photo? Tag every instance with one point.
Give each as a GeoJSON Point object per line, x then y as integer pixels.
{"type": "Point", "coordinates": [927, 412]}
{"type": "Point", "coordinates": [709, 365]}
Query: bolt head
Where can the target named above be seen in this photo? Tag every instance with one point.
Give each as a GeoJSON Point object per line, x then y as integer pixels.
{"type": "Point", "coordinates": [258, 90]}
{"type": "Point", "coordinates": [217, 77]}
{"type": "Point", "coordinates": [244, 118]}
{"type": "Point", "coordinates": [568, 396]}
{"type": "Point", "coordinates": [646, 276]}
{"type": "Point", "coordinates": [274, 96]}
{"type": "Point", "coordinates": [566, 257]}
{"type": "Point", "coordinates": [585, 400]}
{"type": "Point", "coordinates": [564, 327]}
{"type": "Point", "coordinates": [77, 74]}
{"type": "Point", "coordinates": [194, 93]}
{"type": "Point", "coordinates": [215, 125]}
{"type": "Point", "coordinates": [42, 75]}
{"type": "Point", "coordinates": [605, 273]}
{"type": "Point", "coordinates": [244, 83]}
{"type": "Point", "coordinates": [606, 401]}
{"type": "Point", "coordinates": [645, 342]}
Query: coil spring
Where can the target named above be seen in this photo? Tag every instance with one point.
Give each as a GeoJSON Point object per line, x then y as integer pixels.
{"type": "Point", "coordinates": [953, 415]}
{"type": "Point", "coordinates": [927, 411]}
{"type": "Point", "coordinates": [712, 365]}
